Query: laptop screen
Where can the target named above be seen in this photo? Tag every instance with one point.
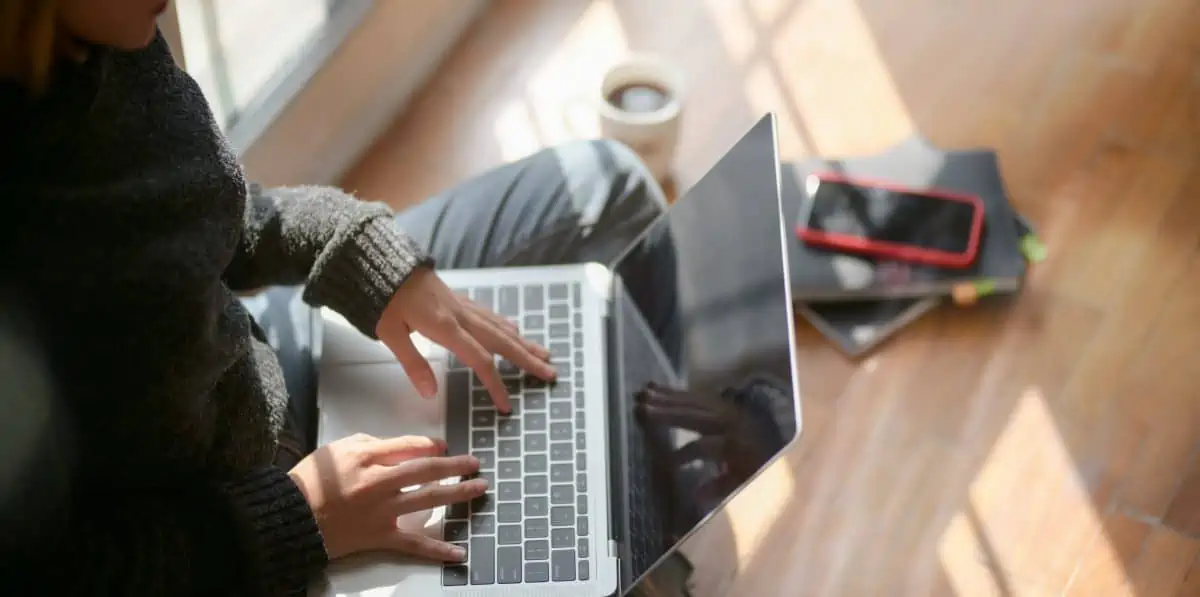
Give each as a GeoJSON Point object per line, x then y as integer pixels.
{"type": "Point", "coordinates": [702, 368]}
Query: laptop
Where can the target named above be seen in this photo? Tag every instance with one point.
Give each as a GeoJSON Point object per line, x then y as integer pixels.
{"type": "Point", "coordinates": [676, 387]}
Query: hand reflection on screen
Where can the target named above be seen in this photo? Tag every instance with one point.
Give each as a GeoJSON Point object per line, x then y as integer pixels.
{"type": "Point", "coordinates": [738, 428]}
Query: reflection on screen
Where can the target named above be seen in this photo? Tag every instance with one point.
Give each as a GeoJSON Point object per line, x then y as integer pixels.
{"type": "Point", "coordinates": [703, 356]}
{"type": "Point", "coordinates": [879, 214]}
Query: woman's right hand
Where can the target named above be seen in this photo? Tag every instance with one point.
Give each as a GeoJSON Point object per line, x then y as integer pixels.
{"type": "Point", "coordinates": [354, 487]}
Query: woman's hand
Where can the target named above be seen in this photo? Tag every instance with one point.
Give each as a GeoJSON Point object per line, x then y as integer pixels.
{"type": "Point", "coordinates": [354, 487]}
{"type": "Point", "coordinates": [425, 304]}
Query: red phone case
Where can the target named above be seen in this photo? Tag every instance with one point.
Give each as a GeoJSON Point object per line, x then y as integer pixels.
{"type": "Point", "coordinates": [896, 251]}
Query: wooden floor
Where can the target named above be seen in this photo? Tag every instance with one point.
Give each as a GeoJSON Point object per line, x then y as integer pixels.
{"type": "Point", "coordinates": [1049, 448]}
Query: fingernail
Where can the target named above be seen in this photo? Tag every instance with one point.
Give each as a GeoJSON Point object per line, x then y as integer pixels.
{"type": "Point", "coordinates": [458, 553]}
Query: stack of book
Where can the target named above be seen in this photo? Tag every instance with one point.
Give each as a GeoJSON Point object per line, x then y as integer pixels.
{"type": "Point", "coordinates": [858, 301]}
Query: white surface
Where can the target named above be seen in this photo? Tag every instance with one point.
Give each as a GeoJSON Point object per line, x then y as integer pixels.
{"type": "Point", "coordinates": [362, 389]}
{"type": "Point", "coordinates": [653, 135]}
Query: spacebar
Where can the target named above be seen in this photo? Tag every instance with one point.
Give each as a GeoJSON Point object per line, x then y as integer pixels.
{"type": "Point", "coordinates": [458, 412]}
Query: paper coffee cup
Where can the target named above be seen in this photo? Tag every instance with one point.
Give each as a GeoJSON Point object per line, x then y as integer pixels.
{"type": "Point", "coordinates": [640, 104]}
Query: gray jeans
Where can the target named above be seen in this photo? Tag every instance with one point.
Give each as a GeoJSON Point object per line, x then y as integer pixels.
{"type": "Point", "coordinates": [578, 202]}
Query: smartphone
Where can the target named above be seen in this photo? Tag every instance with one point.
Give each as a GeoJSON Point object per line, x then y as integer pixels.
{"type": "Point", "coordinates": [889, 221]}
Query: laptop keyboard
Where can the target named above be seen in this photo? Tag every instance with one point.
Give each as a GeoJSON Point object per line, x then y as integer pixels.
{"type": "Point", "coordinates": [532, 525]}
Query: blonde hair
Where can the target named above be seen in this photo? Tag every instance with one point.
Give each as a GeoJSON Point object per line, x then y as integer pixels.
{"type": "Point", "coordinates": [28, 40]}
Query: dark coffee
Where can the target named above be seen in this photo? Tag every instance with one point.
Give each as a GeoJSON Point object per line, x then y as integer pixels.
{"type": "Point", "coordinates": [639, 97]}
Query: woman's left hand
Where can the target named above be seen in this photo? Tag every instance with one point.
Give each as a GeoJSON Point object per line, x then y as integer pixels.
{"type": "Point", "coordinates": [473, 333]}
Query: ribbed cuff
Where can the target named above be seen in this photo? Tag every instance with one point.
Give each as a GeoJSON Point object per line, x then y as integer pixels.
{"type": "Point", "coordinates": [359, 277]}
{"type": "Point", "coordinates": [282, 530]}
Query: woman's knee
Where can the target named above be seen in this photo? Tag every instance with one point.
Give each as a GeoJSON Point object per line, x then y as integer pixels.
{"type": "Point", "coordinates": [609, 180]}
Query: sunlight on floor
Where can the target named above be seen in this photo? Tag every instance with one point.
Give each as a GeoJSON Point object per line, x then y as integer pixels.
{"type": "Point", "coordinates": [810, 55]}
{"type": "Point", "coordinates": [556, 106]}
{"type": "Point", "coordinates": [988, 547]}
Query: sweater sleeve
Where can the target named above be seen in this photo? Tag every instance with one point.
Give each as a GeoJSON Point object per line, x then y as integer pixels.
{"type": "Point", "coordinates": [347, 252]}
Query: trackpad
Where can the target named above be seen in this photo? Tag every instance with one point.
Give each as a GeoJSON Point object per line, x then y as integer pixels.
{"type": "Point", "coordinates": [379, 400]}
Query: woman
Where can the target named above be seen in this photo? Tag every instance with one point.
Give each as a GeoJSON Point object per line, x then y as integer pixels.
{"type": "Point", "coordinates": [144, 409]}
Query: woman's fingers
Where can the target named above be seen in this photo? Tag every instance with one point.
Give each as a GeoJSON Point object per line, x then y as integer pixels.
{"type": "Point", "coordinates": [429, 470]}
{"type": "Point", "coordinates": [424, 547]}
{"type": "Point", "coordinates": [415, 366]}
{"type": "Point", "coordinates": [511, 346]}
{"type": "Point", "coordinates": [462, 344]}
{"type": "Point", "coordinates": [434, 495]}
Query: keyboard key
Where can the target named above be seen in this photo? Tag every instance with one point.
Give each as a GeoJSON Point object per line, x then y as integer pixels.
{"type": "Point", "coordinates": [485, 297]}
{"type": "Point", "coordinates": [509, 565]}
{"type": "Point", "coordinates": [561, 473]}
{"type": "Point", "coordinates": [559, 432]}
{"type": "Point", "coordinates": [562, 565]}
{"type": "Point", "coordinates": [561, 494]}
{"type": "Point", "coordinates": [536, 506]}
{"type": "Point", "coordinates": [533, 383]}
{"type": "Point", "coordinates": [578, 321]}
{"type": "Point", "coordinates": [561, 516]}
{"type": "Point", "coordinates": [581, 526]}
{"type": "Point", "coordinates": [576, 292]}
{"type": "Point", "coordinates": [487, 459]}
{"type": "Point", "coordinates": [536, 338]}
{"type": "Point", "coordinates": [458, 511]}
{"type": "Point", "coordinates": [484, 503]}
{"type": "Point", "coordinates": [584, 570]}
{"type": "Point", "coordinates": [536, 572]}
{"type": "Point", "coordinates": [481, 398]}
{"type": "Point", "coordinates": [561, 451]}
{"type": "Point", "coordinates": [509, 470]}
{"type": "Point", "coordinates": [581, 504]}
{"type": "Point", "coordinates": [536, 484]}
{"type": "Point", "coordinates": [510, 428]}
{"type": "Point", "coordinates": [535, 421]}
{"type": "Point", "coordinates": [581, 461]}
{"type": "Point", "coordinates": [537, 550]}
{"type": "Point", "coordinates": [510, 448]}
{"type": "Point", "coordinates": [508, 513]}
{"type": "Point", "coordinates": [558, 292]}
{"type": "Point", "coordinates": [559, 311]}
{"type": "Point", "coordinates": [582, 546]}
{"type": "Point", "coordinates": [481, 438]}
{"type": "Point", "coordinates": [534, 322]}
{"type": "Point", "coordinates": [455, 531]}
{"type": "Point", "coordinates": [454, 576]}
{"type": "Point", "coordinates": [562, 537]}
{"type": "Point", "coordinates": [509, 491]}
{"type": "Point", "coordinates": [510, 301]}
{"type": "Point", "coordinates": [535, 442]}
{"type": "Point", "coordinates": [483, 524]}
{"type": "Point", "coordinates": [509, 534]}
{"type": "Point", "coordinates": [458, 392]}
{"type": "Point", "coordinates": [534, 299]}
{"type": "Point", "coordinates": [535, 463]}
{"type": "Point", "coordinates": [561, 389]}
{"type": "Point", "coordinates": [537, 528]}
{"type": "Point", "coordinates": [507, 369]}
{"type": "Point", "coordinates": [483, 560]}
{"type": "Point", "coordinates": [513, 386]}
{"type": "Point", "coordinates": [559, 331]}
{"type": "Point", "coordinates": [560, 410]}
{"type": "Point", "coordinates": [578, 360]}
{"type": "Point", "coordinates": [581, 483]}
{"type": "Point", "coordinates": [483, 418]}
{"type": "Point", "coordinates": [535, 401]}
{"type": "Point", "coordinates": [580, 441]}
{"type": "Point", "coordinates": [559, 350]}
{"type": "Point", "coordinates": [562, 369]}
{"type": "Point", "coordinates": [580, 421]}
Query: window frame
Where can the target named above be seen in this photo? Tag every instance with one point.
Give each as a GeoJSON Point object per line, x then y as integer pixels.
{"type": "Point", "coordinates": [284, 86]}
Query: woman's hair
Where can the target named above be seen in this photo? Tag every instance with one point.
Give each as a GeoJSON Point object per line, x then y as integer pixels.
{"type": "Point", "coordinates": [28, 44]}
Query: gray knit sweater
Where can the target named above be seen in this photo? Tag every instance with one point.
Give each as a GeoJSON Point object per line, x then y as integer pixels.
{"type": "Point", "coordinates": [127, 228]}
